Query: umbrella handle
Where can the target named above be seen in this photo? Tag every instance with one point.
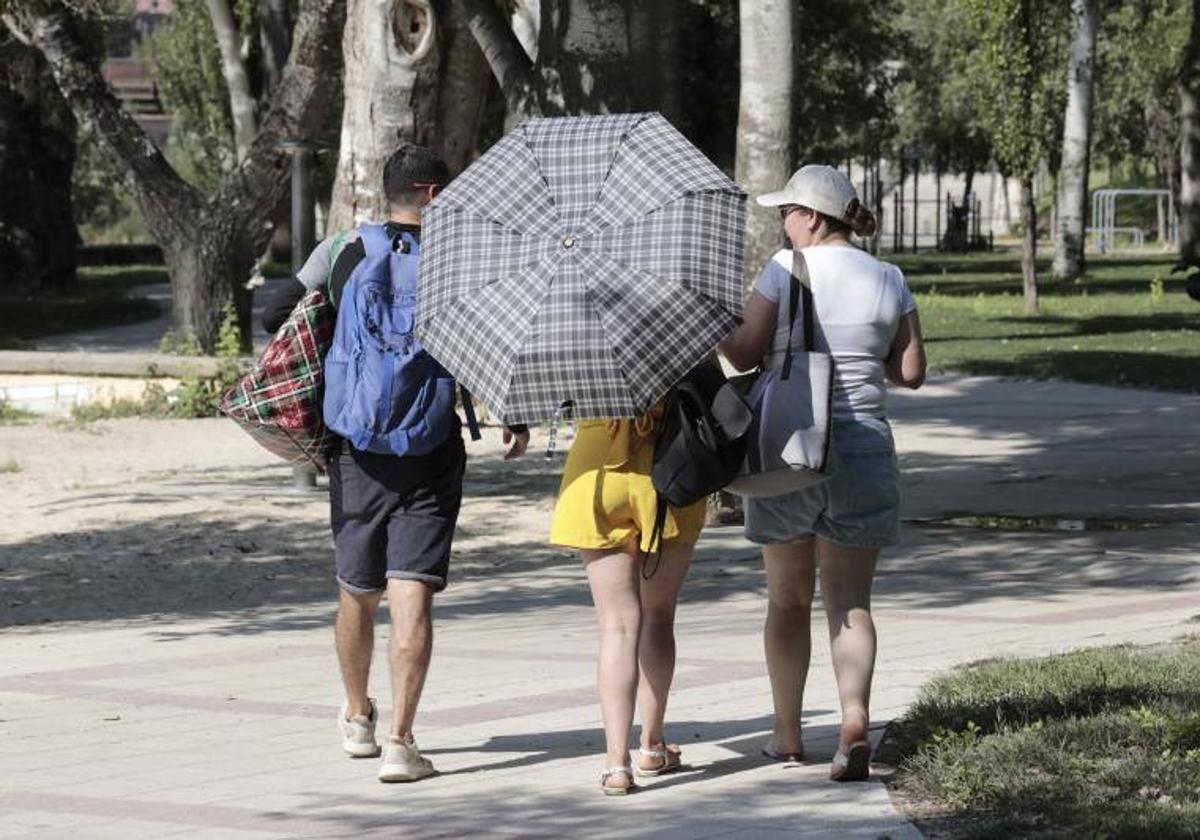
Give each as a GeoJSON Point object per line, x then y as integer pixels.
{"type": "Point", "coordinates": [559, 415]}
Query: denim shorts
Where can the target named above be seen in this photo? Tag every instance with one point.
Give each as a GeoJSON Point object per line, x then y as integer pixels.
{"type": "Point", "coordinates": [859, 505]}
{"type": "Point", "coordinates": [394, 517]}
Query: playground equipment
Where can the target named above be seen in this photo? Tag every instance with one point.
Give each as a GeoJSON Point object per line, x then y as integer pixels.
{"type": "Point", "coordinates": [1104, 218]}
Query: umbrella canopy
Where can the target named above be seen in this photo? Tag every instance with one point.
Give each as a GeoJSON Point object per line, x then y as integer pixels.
{"type": "Point", "coordinates": [591, 260]}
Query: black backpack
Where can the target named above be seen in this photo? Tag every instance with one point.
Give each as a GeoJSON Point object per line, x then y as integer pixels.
{"type": "Point", "coordinates": [702, 444]}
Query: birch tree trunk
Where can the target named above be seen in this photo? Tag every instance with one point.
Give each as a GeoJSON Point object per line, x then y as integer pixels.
{"type": "Point", "coordinates": [210, 244]}
{"type": "Point", "coordinates": [1189, 154]}
{"type": "Point", "coordinates": [1029, 245]}
{"type": "Point", "coordinates": [233, 68]}
{"type": "Point", "coordinates": [388, 54]}
{"type": "Point", "coordinates": [1070, 230]}
{"type": "Point", "coordinates": [764, 132]}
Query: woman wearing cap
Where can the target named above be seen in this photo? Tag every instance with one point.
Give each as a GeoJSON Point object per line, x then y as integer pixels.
{"type": "Point", "coordinates": [867, 319]}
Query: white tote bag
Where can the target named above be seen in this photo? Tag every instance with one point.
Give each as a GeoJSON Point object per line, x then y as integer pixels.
{"type": "Point", "coordinates": [792, 398]}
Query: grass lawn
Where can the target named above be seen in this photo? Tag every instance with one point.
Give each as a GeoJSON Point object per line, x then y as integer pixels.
{"type": "Point", "coordinates": [1094, 743]}
{"type": "Point", "coordinates": [100, 299]}
{"type": "Point", "coordinates": [1128, 322]}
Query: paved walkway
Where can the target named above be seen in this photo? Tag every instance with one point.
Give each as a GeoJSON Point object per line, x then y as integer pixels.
{"type": "Point", "coordinates": [211, 713]}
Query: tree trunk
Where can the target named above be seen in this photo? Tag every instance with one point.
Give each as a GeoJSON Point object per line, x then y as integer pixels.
{"type": "Point", "coordinates": [462, 91]}
{"type": "Point", "coordinates": [275, 27]}
{"type": "Point", "coordinates": [233, 68]}
{"type": "Point", "coordinates": [388, 79]}
{"type": "Point", "coordinates": [38, 237]}
{"type": "Point", "coordinates": [1029, 245]}
{"type": "Point", "coordinates": [593, 57]}
{"type": "Point", "coordinates": [210, 246]}
{"type": "Point", "coordinates": [1189, 155]}
{"type": "Point", "coordinates": [666, 50]}
{"type": "Point", "coordinates": [764, 131]}
{"type": "Point", "coordinates": [588, 56]}
{"type": "Point", "coordinates": [1070, 229]}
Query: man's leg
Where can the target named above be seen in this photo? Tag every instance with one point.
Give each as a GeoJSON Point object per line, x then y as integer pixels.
{"type": "Point", "coordinates": [354, 634]}
{"type": "Point", "coordinates": [411, 605]}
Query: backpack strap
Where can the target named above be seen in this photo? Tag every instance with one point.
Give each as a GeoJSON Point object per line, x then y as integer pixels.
{"type": "Point", "coordinates": [375, 240]}
{"type": "Point", "coordinates": [656, 539]}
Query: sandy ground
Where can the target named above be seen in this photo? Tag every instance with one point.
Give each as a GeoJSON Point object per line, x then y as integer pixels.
{"type": "Point", "coordinates": [134, 518]}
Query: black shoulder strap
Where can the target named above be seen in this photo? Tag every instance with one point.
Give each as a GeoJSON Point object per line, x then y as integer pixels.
{"type": "Point", "coordinates": [469, 409]}
{"type": "Point", "coordinates": [800, 296]}
{"type": "Point", "coordinates": [808, 306]}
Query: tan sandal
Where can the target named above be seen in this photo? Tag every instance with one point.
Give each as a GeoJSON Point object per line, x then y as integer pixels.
{"type": "Point", "coordinates": [852, 763]}
{"type": "Point", "coordinates": [617, 790]}
{"type": "Point", "coordinates": [669, 755]}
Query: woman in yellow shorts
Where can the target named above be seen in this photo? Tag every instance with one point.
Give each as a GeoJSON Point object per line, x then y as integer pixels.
{"type": "Point", "coordinates": [606, 509]}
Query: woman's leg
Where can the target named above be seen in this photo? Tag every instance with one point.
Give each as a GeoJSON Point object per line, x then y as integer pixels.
{"type": "Point", "coordinates": [787, 636]}
{"type": "Point", "coordinates": [613, 577]}
{"type": "Point", "coordinates": [846, 576]}
{"type": "Point", "coordinates": [656, 644]}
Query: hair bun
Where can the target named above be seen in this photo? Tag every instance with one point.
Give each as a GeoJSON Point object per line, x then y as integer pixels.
{"type": "Point", "coordinates": [860, 219]}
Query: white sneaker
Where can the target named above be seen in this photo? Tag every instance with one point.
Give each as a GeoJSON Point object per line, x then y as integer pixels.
{"type": "Point", "coordinates": [358, 733]}
{"type": "Point", "coordinates": [403, 762]}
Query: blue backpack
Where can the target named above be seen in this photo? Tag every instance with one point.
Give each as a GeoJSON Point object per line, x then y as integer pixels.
{"type": "Point", "coordinates": [383, 392]}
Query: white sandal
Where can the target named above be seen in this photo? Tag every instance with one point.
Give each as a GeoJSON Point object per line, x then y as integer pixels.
{"type": "Point", "coordinates": [612, 790]}
{"type": "Point", "coordinates": [672, 760]}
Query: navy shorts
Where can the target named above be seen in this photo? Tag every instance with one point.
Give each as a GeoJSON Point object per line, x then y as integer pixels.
{"type": "Point", "coordinates": [859, 505]}
{"type": "Point", "coordinates": [394, 517]}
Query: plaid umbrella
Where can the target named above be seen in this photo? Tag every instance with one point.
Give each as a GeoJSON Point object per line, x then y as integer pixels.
{"type": "Point", "coordinates": [591, 260]}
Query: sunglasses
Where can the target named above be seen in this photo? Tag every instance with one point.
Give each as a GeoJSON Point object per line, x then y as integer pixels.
{"type": "Point", "coordinates": [786, 210]}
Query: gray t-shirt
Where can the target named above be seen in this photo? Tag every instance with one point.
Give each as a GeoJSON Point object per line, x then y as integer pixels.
{"type": "Point", "coordinates": [316, 268]}
{"type": "Point", "coordinates": [860, 302]}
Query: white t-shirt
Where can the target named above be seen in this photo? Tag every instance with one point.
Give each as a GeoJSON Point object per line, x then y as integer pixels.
{"type": "Point", "coordinates": [860, 302]}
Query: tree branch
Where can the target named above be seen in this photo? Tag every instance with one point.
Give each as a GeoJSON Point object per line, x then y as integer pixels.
{"type": "Point", "coordinates": [233, 68]}
{"type": "Point", "coordinates": [504, 53]}
{"type": "Point", "coordinates": [168, 203]}
{"type": "Point", "coordinates": [298, 112]}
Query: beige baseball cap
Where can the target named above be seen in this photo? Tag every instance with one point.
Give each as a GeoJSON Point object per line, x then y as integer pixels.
{"type": "Point", "coordinates": [817, 187]}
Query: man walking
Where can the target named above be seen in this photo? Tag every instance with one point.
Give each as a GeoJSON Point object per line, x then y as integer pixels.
{"type": "Point", "coordinates": [395, 485]}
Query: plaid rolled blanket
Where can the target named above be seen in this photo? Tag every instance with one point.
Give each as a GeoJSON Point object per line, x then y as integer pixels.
{"type": "Point", "coordinates": [278, 403]}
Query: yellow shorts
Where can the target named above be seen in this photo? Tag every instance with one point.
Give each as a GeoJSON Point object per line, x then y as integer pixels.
{"type": "Point", "coordinates": [606, 498]}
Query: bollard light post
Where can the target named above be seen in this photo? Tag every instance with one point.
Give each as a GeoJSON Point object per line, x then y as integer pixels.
{"type": "Point", "coordinates": [304, 477]}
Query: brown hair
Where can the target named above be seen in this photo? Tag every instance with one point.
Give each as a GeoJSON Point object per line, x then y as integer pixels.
{"type": "Point", "coordinates": [857, 219]}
